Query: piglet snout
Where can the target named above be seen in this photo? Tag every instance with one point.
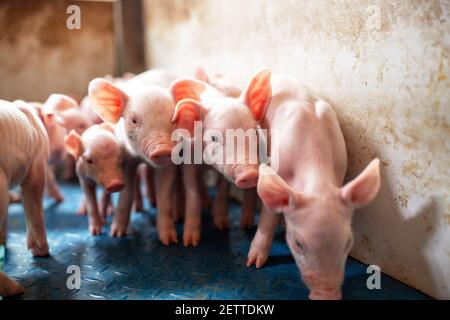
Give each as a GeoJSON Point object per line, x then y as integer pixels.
{"type": "Point", "coordinates": [247, 179]}
{"type": "Point", "coordinates": [114, 185]}
{"type": "Point", "coordinates": [161, 156]}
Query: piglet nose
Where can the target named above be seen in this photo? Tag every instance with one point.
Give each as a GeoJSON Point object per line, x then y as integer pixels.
{"type": "Point", "coordinates": [114, 185]}
{"type": "Point", "coordinates": [247, 179]}
{"type": "Point", "coordinates": [161, 155]}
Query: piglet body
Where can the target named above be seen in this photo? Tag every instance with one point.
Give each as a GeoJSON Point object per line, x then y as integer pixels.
{"type": "Point", "coordinates": [23, 162]}
{"type": "Point", "coordinates": [304, 182]}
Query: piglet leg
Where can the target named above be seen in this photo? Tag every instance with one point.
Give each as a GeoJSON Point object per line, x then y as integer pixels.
{"type": "Point", "coordinates": [106, 207]}
{"type": "Point", "coordinates": [82, 209]}
{"type": "Point", "coordinates": [150, 184]}
{"type": "Point", "coordinates": [95, 221]}
{"type": "Point", "coordinates": [248, 208]}
{"type": "Point", "coordinates": [138, 206]}
{"type": "Point", "coordinates": [9, 287]}
{"type": "Point", "coordinates": [121, 219]}
{"type": "Point", "coordinates": [32, 193]}
{"type": "Point", "coordinates": [4, 203]}
{"type": "Point", "coordinates": [52, 187]}
{"type": "Point", "coordinates": [192, 221]}
{"type": "Point", "coordinates": [179, 199]}
{"type": "Point", "coordinates": [165, 178]}
{"type": "Point", "coordinates": [220, 205]}
{"type": "Point", "coordinates": [262, 242]}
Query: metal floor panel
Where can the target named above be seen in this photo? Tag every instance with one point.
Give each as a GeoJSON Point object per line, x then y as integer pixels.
{"type": "Point", "coordinates": [139, 267]}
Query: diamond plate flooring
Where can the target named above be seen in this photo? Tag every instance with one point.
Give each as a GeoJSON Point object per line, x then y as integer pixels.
{"type": "Point", "coordinates": [139, 267]}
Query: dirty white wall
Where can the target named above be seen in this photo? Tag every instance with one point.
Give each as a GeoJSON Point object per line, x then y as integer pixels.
{"type": "Point", "coordinates": [39, 55]}
{"type": "Point", "coordinates": [384, 65]}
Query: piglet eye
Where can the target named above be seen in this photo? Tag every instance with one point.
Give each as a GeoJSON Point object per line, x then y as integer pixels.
{"type": "Point", "coordinates": [89, 160]}
{"type": "Point", "coordinates": [134, 121]}
{"type": "Point", "coordinates": [214, 139]}
{"type": "Point", "coordinates": [299, 245]}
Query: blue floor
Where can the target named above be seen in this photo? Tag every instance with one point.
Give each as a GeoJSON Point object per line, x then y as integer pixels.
{"type": "Point", "coordinates": [139, 267]}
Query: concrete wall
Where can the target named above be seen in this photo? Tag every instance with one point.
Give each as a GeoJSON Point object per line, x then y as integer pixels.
{"type": "Point", "coordinates": [39, 55]}
{"type": "Point", "coordinates": [384, 65]}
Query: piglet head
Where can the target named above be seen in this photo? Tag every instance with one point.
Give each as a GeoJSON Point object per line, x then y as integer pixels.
{"type": "Point", "coordinates": [147, 113]}
{"type": "Point", "coordinates": [230, 136]}
{"type": "Point", "coordinates": [68, 112]}
{"type": "Point", "coordinates": [318, 226]}
{"type": "Point", "coordinates": [99, 156]}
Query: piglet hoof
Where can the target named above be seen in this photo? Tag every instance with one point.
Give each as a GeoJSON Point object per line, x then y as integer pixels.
{"type": "Point", "coordinates": [82, 211]}
{"type": "Point", "coordinates": [9, 287]}
{"type": "Point", "coordinates": [95, 227]}
{"type": "Point", "coordinates": [259, 250]}
{"type": "Point", "coordinates": [246, 221]}
{"type": "Point", "coordinates": [118, 230]}
{"type": "Point", "coordinates": [38, 246]}
{"type": "Point", "coordinates": [57, 196]}
{"type": "Point", "coordinates": [138, 207]}
{"type": "Point", "coordinates": [167, 235]}
{"type": "Point", "coordinates": [221, 222]}
{"type": "Point", "coordinates": [191, 237]}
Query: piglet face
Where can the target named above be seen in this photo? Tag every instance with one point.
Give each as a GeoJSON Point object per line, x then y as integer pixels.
{"type": "Point", "coordinates": [148, 125]}
{"type": "Point", "coordinates": [318, 233]}
{"type": "Point", "coordinates": [231, 142]}
{"type": "Point", "coordinates": [147, 114]}
{"type": "Point", "coordinates": [99, 157]}
{"type": "Point", "coordinates": [318, 225]}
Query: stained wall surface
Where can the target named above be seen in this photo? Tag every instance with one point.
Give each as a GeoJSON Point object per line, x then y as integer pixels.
{"type": "Point", "coordinates": [384, 66]}
{"type": "Point", "coordinates": [39, 55]}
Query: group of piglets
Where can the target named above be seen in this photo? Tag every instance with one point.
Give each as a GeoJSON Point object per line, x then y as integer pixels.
{"type": "Point", "coordinates": [122, 135]}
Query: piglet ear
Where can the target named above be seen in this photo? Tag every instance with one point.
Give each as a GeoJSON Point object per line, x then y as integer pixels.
{"type": "Point", "coordinates": [201, 75]}
{"type": "Point", "coordinates": [108, 101]}
{"type": "Point", "coordinates": [361, 190]}
{"type": "Point", "coordinates": [258, 94]}
{"type": "Point", "coordinates": [187, 111]}
{"type": "Point", "coordinates": [73, 144]}
{"type": "Point", "coordinates": [187, 89]}
{"type": "Point", "coordinates": [273, 190]}
{"type": "Point", "coordinates": [59, 102]}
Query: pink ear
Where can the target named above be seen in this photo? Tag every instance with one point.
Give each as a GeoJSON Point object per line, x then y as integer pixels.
{"type": "Point", "coordinates": [108, 101]}
{"type": "Point", "coordinates": [187, 89]}
{"type": "Point", "coordinates": [73, 144]}
{"type": "Point", "coordinates": [201, 75]}
{"type": "Point", "coordinates": [187, 111]}
{"type": "Point", "coordinates": [362, 189]}
{"type": "Point", "coordinates": [258, 94]}
{"type": "Point", "coordinates": [274, 192]}
{"type": "Point", "coordinates": [59, 102]}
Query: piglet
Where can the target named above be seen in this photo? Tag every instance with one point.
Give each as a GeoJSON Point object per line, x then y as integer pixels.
{"type": "Point", "coordinates": [304, 182]}
{"type": "Point", "coordinates": [101, 159]}
{"type": "Point", "coordinates": [230, 89]}
{"type": "Point", "coordinates": [199, 101]}
{"type": "Point", "coordinates": [25, 151]}
{"type": "Point", "coordinates": [147, 111]}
